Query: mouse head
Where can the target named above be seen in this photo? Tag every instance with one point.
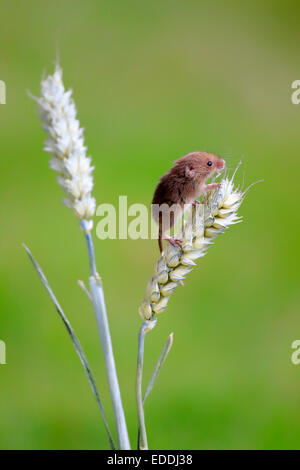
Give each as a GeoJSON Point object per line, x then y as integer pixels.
{"type": "Point", "coordinates": [202, 163]}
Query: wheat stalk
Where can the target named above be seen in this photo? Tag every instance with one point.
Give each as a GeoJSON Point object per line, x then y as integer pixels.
{"type": "Point", "coordinates": [65, 143]}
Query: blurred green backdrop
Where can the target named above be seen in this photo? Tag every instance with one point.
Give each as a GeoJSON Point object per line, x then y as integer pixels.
{"type": "Point", "coordinates": [152, 81]}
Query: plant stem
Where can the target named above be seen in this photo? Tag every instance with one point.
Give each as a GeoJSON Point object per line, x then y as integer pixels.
{"type": "Point", "coordinates": [103, 327]}
{"type": "Point", "coordinates": [142, 435]}
{"type": "Point", "coordinates": [142, 444]}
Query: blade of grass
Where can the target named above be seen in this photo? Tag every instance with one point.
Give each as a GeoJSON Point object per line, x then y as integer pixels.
{"type": "Point", "coordinates": [163, 356]}
{"type": "Point", "coordinates": [75, 341]}
{"type": "Point", "coordinates": [85, 290]}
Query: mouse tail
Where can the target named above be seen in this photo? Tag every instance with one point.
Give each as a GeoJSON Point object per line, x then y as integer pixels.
{"type": "Point", "coordinates": [160, 235]}
{"type": "Point", "coordinates": [160, 244]}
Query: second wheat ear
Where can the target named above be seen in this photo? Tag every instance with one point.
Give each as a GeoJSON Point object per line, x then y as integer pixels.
{"type": "Point", "coordinates": [203, 223]}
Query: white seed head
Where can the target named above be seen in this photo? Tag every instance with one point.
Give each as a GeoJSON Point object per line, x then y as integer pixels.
{"type": "Point", "coordinates": [66, 145]}
{"type": "Point", "coordinates": [201, 227]}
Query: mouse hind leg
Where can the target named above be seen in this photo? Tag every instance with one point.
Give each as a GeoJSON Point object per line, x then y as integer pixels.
{"type": "Point", "coordinates": [168, 215]}
{"type": "Point", "coordinates": [162, 235]}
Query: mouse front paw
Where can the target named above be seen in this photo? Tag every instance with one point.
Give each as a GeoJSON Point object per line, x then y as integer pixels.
{"type": "Point", "coordinates": [213, 186]}
{"type": "Point", "coordinates": [174, 241]}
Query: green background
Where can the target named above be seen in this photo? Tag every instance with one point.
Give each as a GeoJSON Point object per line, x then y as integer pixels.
{"type": "Point", "coordinates": [153, 80]}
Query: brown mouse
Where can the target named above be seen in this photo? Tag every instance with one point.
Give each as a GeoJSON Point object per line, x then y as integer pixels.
{"type": "Point", "coordinates": [181, 185]}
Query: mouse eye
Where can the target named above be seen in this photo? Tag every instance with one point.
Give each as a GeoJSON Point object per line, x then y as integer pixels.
{"type": "Point", "coordinates": [209, 163]}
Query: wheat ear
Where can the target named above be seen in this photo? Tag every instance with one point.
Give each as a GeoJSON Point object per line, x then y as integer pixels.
{"type": "Point", "coordinates": [65, 144]}
{"type": "Point", "coordinates": [203, 223]}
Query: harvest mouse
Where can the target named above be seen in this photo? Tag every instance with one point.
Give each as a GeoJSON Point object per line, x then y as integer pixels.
{"type": "Point", "coordinates": [181, 185]}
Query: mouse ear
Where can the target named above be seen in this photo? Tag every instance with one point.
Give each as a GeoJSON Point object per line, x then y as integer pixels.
{"type": "Point", "coordinates": [189, 171]}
